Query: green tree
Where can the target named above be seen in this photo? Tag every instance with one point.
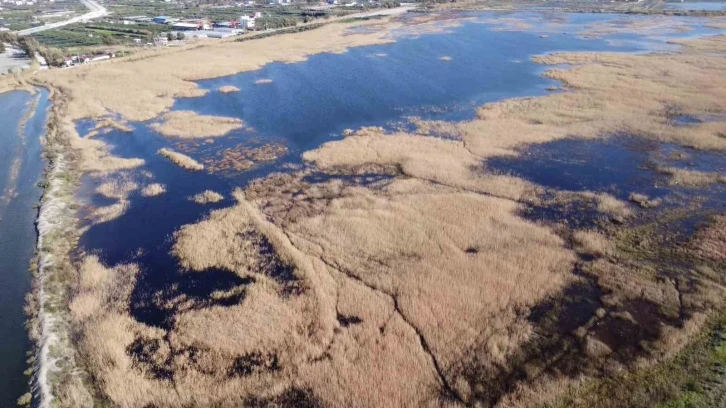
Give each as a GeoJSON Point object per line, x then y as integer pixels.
{"type": "Point", "coordinates": [169, 36]}
{"type": "Point", "coordinates": [180, 36]}
{"type": "Point", "coordinates": [29, 45]}
{"type": "Point", "coordinates": [2, 46]}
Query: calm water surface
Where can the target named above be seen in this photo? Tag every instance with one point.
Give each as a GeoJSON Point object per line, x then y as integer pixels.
{"type": "Point", "coordinates": [21, 166]}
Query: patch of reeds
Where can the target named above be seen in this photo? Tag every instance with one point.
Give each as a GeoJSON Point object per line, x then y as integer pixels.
{"type": "Point", "coordinates": [207, 197]}
{"type": "Point", "coordinates": [153, 190]}
{"type": "Point", "coordinates": [228, 89]}
{"type": "Point", "coordinates": [191, 125]}
{"type": "Point", "coordinates": [181, 160]}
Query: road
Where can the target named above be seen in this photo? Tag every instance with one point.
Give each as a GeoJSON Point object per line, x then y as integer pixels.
{"type": "Point", "coordinates": [95, 10]}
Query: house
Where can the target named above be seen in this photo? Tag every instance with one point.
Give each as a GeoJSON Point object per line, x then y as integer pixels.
{"type": "Point", "coordinates": [247, 22]}
{"type": "Point", "coordinates": [186, 26]}
{"type": "Point", "coordinates": [226, 24]}
{"type": "Point", "coordinates": [101, 57]}
{"type": "Point", "coordinates": [161, 41]}
{"type": "Point", "coordinates": [249, 3]}
{"type": "Point", "coordinates": [162, 19]}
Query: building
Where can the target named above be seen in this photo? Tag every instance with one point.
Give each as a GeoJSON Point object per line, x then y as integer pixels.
{"type": "Point", "coordinates": [214, 33]}
{"type": "Point", "coordinates": [162, 19]}
{"type": "Point", "coordinates": [186, 26]}
{"type": "Point", "coordinates": [247, 22]}
{"type": "Point", "coordinates": [161, 41]}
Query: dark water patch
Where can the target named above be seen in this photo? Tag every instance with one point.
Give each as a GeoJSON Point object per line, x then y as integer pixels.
{"type": "Point", "coordinates": [365, 179]}
{"type": "Point", "coordinates": [84, 126]}
{"type": "Point", "coordinates": [346, 320]}
{"type": "Point", "coordinates": [564, 328]}
{"type": "Point", "coordinates": [251, 363]}
{"type": "Point", "coordinates": [290, 398]}
{"type": "Point", "coordinates": [21, 167]}
{"type": "Point", "coordinates": [685, 120]}
{"type": "Point", "coordinates": [150, 356]}
{"type": "Point", "coordinates": [574, 307]}
{"type": "Point", "coordinates": [616, 166]}
{"type": "Point", "coordinates": [155, 300]}
{"type": "Point", "coordinates": [576, 213]}
{"type": "Point", "coordinates": [619, 166]}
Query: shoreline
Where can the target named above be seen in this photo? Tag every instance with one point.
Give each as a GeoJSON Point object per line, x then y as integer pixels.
{"type": "Point", "coordinates": [63, 171]}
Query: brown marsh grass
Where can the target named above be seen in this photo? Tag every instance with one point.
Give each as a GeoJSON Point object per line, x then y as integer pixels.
{"type": "Point", "coordinates": [191, 125]}
{"type": "Point", "coordinates": [117, 189]}
{"type": "Point", "coordinates": [243, 157]}
{"type": "Point", "coordinates": [692, 178]}
{"type": "Point", "coordinates": [153, 190]}
{"type": "Point", "coordinates": [643, 200]}
{"type": "Point", "coordinates": [181, 160]}
{"type": "Point", "coordinates": [228, 89]}
{"type": "Point", "coordinates": [207, 197]}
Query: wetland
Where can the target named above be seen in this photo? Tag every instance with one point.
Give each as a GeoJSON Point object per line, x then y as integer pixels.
{"type": "Point", "coordinates": [446, 209]}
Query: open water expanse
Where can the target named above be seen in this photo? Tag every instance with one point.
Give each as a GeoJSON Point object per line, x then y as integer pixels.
{"type": "Point", "coordinates": [22, 124]}
{"type": "Point", "coordinates": [301, 106]}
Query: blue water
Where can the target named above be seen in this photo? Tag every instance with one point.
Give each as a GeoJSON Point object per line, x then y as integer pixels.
{"type": "Point", "coordinates": [17, 231]}
{"type": "Point", "coordinates": [312, 102]}
{"type": "Point", "coordinates": [618, 166]}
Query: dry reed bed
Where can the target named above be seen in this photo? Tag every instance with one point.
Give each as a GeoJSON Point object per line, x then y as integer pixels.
{"type": "Point", "coordinates": [153, 190]}
{"type": "Point", "coordinates": [228, 89]}
{"type": "Point", "coordinates": [191, 125]}
{"type": "Point", "coordinates": [207, 197]}
{"type": "Point", "coordinates": [241, 158]}
{"type": "Point", "coordinates": [181, 160]}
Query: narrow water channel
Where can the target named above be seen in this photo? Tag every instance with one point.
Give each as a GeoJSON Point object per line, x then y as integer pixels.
{"type": "Point", "coordinates": [22, 124]}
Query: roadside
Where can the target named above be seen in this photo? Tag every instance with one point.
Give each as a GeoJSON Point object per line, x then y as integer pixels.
{"type": "Point", "coordinates": [95, 11]}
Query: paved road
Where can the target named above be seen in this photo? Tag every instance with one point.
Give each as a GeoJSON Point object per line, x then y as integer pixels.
{"type": "Point", "coordinates": [95, 10]}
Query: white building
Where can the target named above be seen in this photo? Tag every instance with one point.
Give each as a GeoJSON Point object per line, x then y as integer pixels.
{"type": "Point", "coordinates": [247, 22]}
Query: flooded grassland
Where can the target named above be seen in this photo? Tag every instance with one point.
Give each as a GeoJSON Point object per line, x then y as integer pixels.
{"type": "Point", "coordinates": [471, 209]}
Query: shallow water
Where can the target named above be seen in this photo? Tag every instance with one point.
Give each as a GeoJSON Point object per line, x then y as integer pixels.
{"type": "Point", "coordinates": [312, 102]}
{"type": "Point", "coordinates": [618, 166]}
{"type": "Point", "coordinates": [20, 149]}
